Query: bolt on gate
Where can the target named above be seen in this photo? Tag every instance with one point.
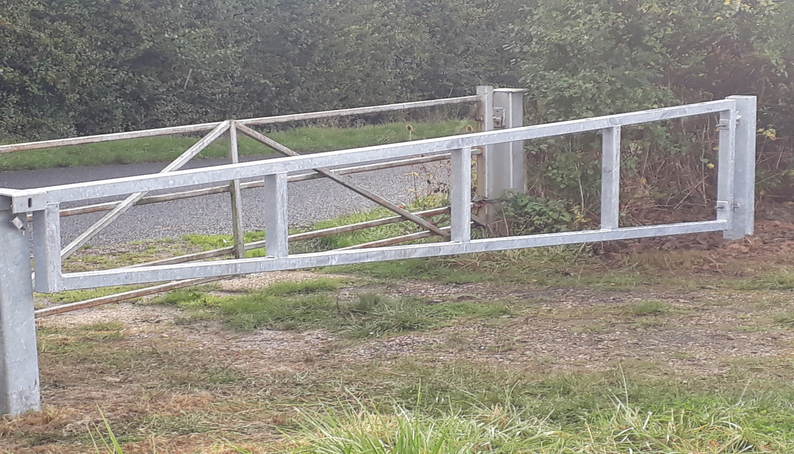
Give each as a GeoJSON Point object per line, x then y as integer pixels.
{"type": "Point", "coordinates": [500, 168]}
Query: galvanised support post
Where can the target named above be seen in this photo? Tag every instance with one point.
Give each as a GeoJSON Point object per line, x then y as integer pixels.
{"type": "Point", "coordinates": [19, 365]}
{"type": "Point", "coordinates": [744, 169]}
{"type": "Point", "coordinates": [507, 160]}
{"type": "Point", "coordinates": [726, 166]}
{"type": "Point", "coordinates": [610, 178]}
{"type": "Point", "coordinates": [460, 195]}
{"type": "Point", "coordinates": [47, 249]}
{"type": "Point", "coordinates": [276, 228]}
{"type": "Point", "coordinates": [500, 167]}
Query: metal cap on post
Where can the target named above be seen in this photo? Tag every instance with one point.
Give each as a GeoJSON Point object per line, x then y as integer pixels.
{"type": "Point", "coordinates": [19, 365]}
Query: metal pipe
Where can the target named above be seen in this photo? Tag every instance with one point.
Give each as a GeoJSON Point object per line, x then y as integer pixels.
{"type": "Point", "coordinates": [127, 276]}
{"type": "Point", "coordinates": [37, 199]}
{"type": "Point", "coordinates": [107, 206]}
{"type": "Point", "coordinates": [251, 121]}
{"type": "Point", "coordinates": [109, 299]}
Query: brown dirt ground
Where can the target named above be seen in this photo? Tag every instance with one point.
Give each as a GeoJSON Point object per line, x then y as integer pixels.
{"type": "Point", "coordinates": [706, 332]}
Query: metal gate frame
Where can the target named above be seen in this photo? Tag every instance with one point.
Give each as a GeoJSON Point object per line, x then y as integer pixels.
{"type": "Point", "coordinates": [19, 379]}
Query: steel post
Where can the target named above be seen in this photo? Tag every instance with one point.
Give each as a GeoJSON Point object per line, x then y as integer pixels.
{"type": "Point", "coordinates": [460, 195]}
{"type": "Point", "coordinates": [726, 162]}
{"type": "Point", "coordinates": [276, 227]}
{"type": "Point", "coordinates": [500, 167]}
{"type": "Point", "coordinates": [47, 249]}
{"type": "Point", "coordinates": [744, 169]}
{"type": "Point", "coordinates": [19, 366]}
{"type": "Point", "coordinates": [507, 161]}
{"type": "Point", "coordinates": [610, 178]}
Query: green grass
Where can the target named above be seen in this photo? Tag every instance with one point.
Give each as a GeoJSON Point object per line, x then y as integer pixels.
{"type": "Point", "coordinates": [161, 149]}
{"type": "Point", "coordinates": [308, 305]}
{"type": "Point", "coordinates": [464, 408]}
{"type": "Point", "coordinates": [649, 308]}
{"type": "Point", "coordinates": [72, 296]}
{"type": "Point", "coordinates": [781, 279]}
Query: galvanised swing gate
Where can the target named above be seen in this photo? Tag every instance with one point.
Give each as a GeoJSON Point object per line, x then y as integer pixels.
{"type": "Point", "coordinates": [19, 377]}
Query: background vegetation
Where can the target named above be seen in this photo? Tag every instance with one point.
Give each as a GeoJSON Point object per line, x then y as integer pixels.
{"type": "Point", "coordinates": [72, 67]}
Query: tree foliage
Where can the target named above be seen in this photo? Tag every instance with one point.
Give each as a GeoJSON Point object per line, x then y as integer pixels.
{"type": "Point", "coordinates": [583, 58]}
{"type": "Point", "coordinates": [78, 67]}
{"type": "Point", "coordinates": [75, 67]}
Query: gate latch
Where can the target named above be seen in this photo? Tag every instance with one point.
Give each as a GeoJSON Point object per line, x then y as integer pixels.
{"type": "Point", "coordinates": [499, 118]}
{"type": "Point", "coordinates": [18, 223]}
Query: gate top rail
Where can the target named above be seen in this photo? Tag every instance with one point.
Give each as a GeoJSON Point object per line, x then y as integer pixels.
{"type": "Point", "coordinates": [38, 198]}
{"type": "Point", "coordinates": [248, 122]}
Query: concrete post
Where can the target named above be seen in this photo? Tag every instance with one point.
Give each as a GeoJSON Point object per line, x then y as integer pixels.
{"type": "Point", "coordinates": [19, 363]}
{"type": "Point", "coordinates": [744, 169]}
{"type": "Point", "coordinates": [500, 167]}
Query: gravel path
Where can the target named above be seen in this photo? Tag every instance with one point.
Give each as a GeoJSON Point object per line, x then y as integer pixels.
{"type": "Point", "coordinates": [309, 201]}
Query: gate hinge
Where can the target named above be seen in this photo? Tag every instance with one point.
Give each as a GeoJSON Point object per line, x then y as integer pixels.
{"type": "Point", "coordinates": [723, 205]}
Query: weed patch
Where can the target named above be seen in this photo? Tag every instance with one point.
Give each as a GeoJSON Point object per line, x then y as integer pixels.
{"type": "Point", "coordinates": [649, 308]}
{"type": "Point", "coordinates": [308, 305]}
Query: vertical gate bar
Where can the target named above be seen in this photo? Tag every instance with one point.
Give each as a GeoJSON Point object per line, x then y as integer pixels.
{"type": "Point", "coordinates": [485, 123]}
{"type": "Point", "coordinates": [726, 162]}
{"type": "Point", "coordinates": [47, 249]}
{"type": "Point", "coordinates": [276, 228]}
{"type": "Point", "coordinates": [19, 364]}
{"type": "Point", "coordinates": [460, 195]}
{"type": "Point", "coordinates": [238, 232]}
{"type": "Point", "coordinates": [610, 178]}
{"type": "Point", "coordinates": [744, 169]}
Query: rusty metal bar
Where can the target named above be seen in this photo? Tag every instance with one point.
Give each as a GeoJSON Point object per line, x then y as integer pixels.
{"type": "Point", "coordinates": [128, 203]}
{"type": "Point", "coordinates": [251, 121]}
{"type": "Point", "coordinates": [393, 240]}
{"type": "Point", "coordinates": [238, 233]}
{"type": "Point", "coordinates": [344, 182]}
{"type": "Point", "coordinates": [118, 297]}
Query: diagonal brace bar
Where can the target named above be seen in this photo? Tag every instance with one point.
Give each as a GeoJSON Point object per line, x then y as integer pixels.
{"type": "Point", "coordinates": [344, 181]}
{"type": "Point", "coordinates": [128, 203]}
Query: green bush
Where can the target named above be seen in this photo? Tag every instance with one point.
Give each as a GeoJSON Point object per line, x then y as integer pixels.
{"type": "Point", "coordinates": [526, 214]}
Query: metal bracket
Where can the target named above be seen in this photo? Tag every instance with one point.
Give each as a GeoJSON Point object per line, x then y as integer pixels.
{"type": "Point", "coordinates": [18, 223]}
{"type": "Point", "coordinates": [722, 205]}
{"type": "Point", "coordinates": [722, 124]}
{"type": "Point", "coordinates": [499, 118]}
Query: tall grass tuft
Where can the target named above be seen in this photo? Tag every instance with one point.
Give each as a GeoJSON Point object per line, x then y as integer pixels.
{"type": "Point", "coordinates": [508, 429]}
